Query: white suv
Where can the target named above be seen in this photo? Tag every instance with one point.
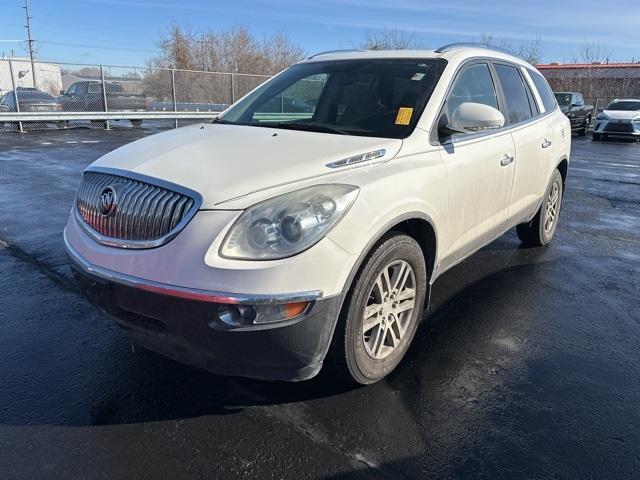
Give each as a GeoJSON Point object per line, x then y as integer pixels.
{"type": "Point", "coordinates": [620, 119]}
{"type": "Point", "coordinates": [311, 218]}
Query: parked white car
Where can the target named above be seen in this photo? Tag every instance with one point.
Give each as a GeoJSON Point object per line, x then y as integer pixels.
{"type": "Point", "coordinates": [286, 233]}
{"type": "Point", "coordinates": [620, 119]}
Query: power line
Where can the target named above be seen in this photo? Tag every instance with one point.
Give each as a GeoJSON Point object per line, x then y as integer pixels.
{"type": "Point", "coordinates": [102, 47]}
{"type": "Point", "coordinates": [82, 37]}
{"type": "Point", "coordinates": [83, 24]}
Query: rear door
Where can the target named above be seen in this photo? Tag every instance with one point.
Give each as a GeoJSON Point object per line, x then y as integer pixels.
{"type": "Point", "coordinates": [93, 97]}
{"type": "Point", "coordinates": [479, 170]}
{"type": "Point", "coordinates": [557, 135]}
{"type": "Point", "coordinates": [530, 135]}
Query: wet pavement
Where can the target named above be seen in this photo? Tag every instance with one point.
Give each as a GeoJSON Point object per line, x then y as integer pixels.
{"type": "Point", "coordinates": [528, 365]}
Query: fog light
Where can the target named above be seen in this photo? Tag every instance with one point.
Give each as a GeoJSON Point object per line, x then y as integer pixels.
{"type": "Point", "coordinates": [246, 315]}
{"type": "Point", "coordinates": [237, 315]}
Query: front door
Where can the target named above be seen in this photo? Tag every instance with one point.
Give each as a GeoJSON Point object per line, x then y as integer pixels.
{"type": "Point", "coordinates": [480, 171]}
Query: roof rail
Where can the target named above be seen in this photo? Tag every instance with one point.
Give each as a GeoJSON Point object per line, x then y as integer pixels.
{"type": "Point", "coordinates": [346, 50]}
{"type": "Point", "coordinates": [453, 46]}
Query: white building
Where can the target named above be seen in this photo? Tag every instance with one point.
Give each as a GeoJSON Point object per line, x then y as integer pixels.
{"type": "Point", "coordinates": [48, 76]}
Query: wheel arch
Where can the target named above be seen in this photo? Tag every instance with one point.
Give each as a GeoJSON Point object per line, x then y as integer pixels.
{"type": "Point", "coordinates": [563, 168]}
{"type": "Point", "coordinates": [417, 225]}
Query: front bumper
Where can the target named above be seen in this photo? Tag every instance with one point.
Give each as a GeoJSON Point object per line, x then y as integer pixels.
{"type": "Point", "coordinates": [184, 324]}
{"type": "Point", "coordinates": [618, 128]}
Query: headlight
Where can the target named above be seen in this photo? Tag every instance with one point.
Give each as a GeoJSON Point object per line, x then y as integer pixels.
{"type": "Point", "coordinates": [289, 224]}
{"type": "Point", "coordinates": [601, 116]}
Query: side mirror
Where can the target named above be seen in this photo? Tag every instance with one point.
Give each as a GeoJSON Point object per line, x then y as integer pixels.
{"type": "Point", "coordinates": [63, 92]}
{"type": "Point", "coordinates": [472, 117]}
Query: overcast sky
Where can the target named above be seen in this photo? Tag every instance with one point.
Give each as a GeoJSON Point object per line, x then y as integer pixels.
{"type": "Point", "coordinates": [127, 32]}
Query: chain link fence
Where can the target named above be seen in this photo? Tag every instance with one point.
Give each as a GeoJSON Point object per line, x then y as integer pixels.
{"type": "Point", "coordinates": [54, 95]}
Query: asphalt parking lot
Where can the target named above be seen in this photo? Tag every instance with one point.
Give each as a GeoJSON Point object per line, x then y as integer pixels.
{"type": "Point", "coordinates": [528, 366]}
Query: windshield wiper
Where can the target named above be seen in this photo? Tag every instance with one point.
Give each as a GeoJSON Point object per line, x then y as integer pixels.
{"type": "Point", "coordinates": [311, 127]}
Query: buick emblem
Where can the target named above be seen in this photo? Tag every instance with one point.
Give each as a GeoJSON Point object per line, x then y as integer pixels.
{"type": "Point", "coordinates": [107, 201]}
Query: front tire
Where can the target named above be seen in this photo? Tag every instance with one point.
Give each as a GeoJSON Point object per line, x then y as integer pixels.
{"type": "Point", "coordinates": [541, 229]}
{"type": "Point", "coordinates": [381, 311]}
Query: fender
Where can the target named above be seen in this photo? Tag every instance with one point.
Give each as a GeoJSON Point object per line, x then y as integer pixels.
{"type": "Point", "coordinates": [379, 234]}
{"type": "Point", "coordinates": [563, 158]}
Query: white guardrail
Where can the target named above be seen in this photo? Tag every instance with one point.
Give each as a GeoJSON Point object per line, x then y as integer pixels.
{"type": "Point", "coordinates": [65, 116]}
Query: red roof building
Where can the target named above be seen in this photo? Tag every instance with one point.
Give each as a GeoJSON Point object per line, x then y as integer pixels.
{"type": "Point", "coordinates": [598, 82]}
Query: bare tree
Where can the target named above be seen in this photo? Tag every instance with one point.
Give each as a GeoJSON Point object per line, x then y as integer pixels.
{"type": "Point", "coordinates": [390, 39]}
{"type": "Point", "coordinates": [529, 50]}
{"type": "Point", "coordinates": [489, 40]}
{"type": "Point", "coordinates": [175, 48]}
{"type": "Point", "coordinates": [281, 51]}
{"type": "Point", "coordinates": [595, 53]}
{"type": "Point", "coordinates": [233, 50]}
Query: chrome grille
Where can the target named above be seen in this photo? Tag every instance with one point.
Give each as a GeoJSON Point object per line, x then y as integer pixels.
{"type": "Point", "coordinates": [141, 214]}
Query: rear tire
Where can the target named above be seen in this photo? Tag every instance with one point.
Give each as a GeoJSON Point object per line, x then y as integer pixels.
{"type": "Point", "coordinates": [597, 137]}
{"type": "Point", "coordinates": [541, 229]}
{"type": "Point", "coordinates": [136, 123]}
{"type": "Point", "coordinates": [381, 312]}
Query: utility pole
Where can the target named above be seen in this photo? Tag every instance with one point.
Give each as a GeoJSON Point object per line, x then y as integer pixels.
{"type": "Point", "coordinates": [30, 41]}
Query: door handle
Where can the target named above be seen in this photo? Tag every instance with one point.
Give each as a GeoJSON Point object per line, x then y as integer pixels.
{"type": "Point", "coordinates": [506, 160]}
{"type": "Point", "coordinates": [546, 143]}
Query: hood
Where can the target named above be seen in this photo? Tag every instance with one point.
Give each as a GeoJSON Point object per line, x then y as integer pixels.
{"type": "Point", "coordinates": [226, 161]}
{"type": "Point", "coordinates": [622, 114]}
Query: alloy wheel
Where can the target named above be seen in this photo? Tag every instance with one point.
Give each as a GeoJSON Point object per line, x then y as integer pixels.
{"type": "Point", "coordinates": [553, 199]}
{"type": "Point", "coordinates": [389, 309]}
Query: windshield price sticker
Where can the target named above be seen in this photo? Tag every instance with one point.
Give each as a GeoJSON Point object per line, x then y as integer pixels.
{"type": "Point", "coordinates": [404, 116]}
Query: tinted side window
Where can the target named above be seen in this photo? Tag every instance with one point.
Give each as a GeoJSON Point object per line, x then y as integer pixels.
{"type": "Point", "coordinates": [548, 99]}
{"type": "Point", "coordinates": [473, 84]}
{"type": "Point", "coordinates": [94, 87]}
{"type": "Point", "coordinates": [518, 107]}
{"type": "Point", "coordinates": [9, 100]}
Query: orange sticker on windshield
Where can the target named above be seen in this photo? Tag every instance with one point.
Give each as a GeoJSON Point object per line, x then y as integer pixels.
{"type": "Point", "coordinates": [404, 116]}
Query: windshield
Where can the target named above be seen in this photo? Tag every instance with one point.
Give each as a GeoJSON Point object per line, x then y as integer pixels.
{"type": "Point", "coordinates": [376, 98]}
{"type": "Point", "coordinates": [629, 105]}
{"type": "Point", "coordinates": [30, 95]}
{"type": "Point", "coordinates": [563, 99]}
